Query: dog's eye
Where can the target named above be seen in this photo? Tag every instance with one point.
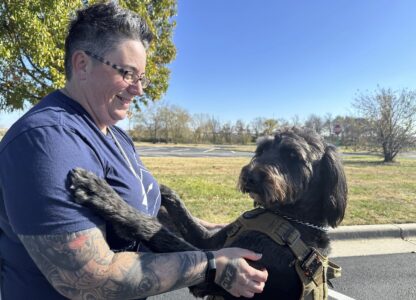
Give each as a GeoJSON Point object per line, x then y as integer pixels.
{"type": "Point", "coordinates": [290, 154]}
{"type": "Point", "coordinates": [293, 156]}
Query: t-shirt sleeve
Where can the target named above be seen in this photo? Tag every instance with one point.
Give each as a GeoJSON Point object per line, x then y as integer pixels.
{"type": "Point", "coordinates": [35, 183]}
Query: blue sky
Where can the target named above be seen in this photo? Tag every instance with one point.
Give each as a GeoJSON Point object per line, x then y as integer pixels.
{"type": "Point", "coordinates": [241, 59]}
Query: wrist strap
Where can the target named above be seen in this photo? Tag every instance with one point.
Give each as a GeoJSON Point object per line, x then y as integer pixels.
{"type": "Point", "coordinates": [211, 267]}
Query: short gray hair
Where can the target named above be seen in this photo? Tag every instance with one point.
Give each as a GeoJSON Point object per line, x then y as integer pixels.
{"type": "Point", "coordinates": [100, 28]}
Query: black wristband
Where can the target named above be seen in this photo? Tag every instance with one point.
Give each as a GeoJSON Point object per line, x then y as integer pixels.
{"type": "Point", "coordinates": [211, 267]}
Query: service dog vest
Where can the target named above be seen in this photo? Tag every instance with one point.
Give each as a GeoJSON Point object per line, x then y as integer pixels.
{"type": "Point", "coordinates": [314, 269]}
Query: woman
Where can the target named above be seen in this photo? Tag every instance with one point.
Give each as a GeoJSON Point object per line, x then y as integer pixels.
{"type": "Point", "coordinates": [50, 246]}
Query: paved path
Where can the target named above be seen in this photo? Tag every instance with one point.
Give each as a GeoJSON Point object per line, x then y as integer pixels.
{"type": "Point", "coordinates": [211, 151]}
{"type": "Point", "coordinates": [214, 151]}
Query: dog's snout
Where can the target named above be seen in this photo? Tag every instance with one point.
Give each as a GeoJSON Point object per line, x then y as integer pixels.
{"type": "Point", "coordinates": [249, 179]}
{"type": "Point", "coordinates": [248, 183]}
{"type": "Point", "coordinates": [245, 179]}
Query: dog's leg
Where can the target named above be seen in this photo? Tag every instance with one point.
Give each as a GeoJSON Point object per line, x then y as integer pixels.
{"type": "Point", "coordinates": [129, 223]}
{"type": "Point", "coordinates": [189, 227]}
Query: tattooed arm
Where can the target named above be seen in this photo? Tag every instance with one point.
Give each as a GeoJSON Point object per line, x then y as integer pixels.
{"type": "Point", "coordinates": [80, 265]}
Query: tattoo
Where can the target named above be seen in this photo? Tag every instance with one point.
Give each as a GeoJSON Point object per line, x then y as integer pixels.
{"type": "Point", "coordinates": [229, 275]}
{"type": "Point", "coordinates": [192, 274]}
{"type": "Point", "coordinates": [69, 252]}
{"type": "Point", "coordinates": [148, 282]}
{"type": "Point", "coordinates": [81, 266]}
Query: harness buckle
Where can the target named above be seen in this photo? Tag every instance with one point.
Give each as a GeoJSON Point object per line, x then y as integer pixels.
{"type": "Point", "coordinates": [311, 264]}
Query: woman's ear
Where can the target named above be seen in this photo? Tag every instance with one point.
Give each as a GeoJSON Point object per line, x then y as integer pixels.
{"type": "Point", "coordinates": [80, 64]}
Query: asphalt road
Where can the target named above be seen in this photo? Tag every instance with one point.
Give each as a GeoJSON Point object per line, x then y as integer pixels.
{"type": "Point", "coordinates": [213, 151]}
{"type": "Point", "coordinates": [378, 277]}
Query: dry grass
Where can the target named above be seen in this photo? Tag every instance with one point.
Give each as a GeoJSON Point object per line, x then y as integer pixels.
{"type": "Point", "coordinates": [378, 193]}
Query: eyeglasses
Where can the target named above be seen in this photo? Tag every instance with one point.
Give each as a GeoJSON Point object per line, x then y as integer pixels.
{"type": "Point", "coordinates": [128, 76]}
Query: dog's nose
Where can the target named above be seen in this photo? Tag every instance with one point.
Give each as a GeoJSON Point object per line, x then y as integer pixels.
{"type": "Point", "coordinates": [250, 181]}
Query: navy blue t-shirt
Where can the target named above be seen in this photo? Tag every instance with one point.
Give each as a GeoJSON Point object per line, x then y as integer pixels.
{"type": "Point", "coordinates": [36, 155]}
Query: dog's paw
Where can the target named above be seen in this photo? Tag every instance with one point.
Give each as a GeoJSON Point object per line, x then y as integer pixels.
{"type": "Point", "coordinates": [166, 191]}
{"type": "Point", "coordinates": [88, 187]}
{"type": "Point", "coordinates": [169, 197]}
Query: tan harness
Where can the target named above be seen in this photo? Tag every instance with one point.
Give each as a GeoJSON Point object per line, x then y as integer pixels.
{"type": "Point", "coordinates": [314, 269]}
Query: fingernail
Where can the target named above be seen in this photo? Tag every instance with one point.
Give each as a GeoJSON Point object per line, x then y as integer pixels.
{"type": "Point", "coordinates": [259, 255]}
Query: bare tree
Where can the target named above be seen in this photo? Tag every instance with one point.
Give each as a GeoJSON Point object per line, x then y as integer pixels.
{"type": "Point", "coordinates": [214, 128]}
{"type": "Point", "coordinates": [296, 121]}
{"type": "Point", "coordinates": [199, 127]}
{"type": "Point", "coordinates": [257, 126]}
{"type": "Point", "coordinates": [241, 132]}
{"type": "Point", "coordinates": [391, 117]}
{"type": "Point", "coordinates": [177, 122]}
{"type": "Point", "coordinates": [328, 129]}
{"type": "Point", "coordinates": [162, 122]}
{"type": "Point", "coordinates": [226, 133]}
{"type": "Point", "coordinates": [283, 122]}
{"type": "Point", "coordinates": [147, 125]}
{"type": "Point", "coordinates": [315, 122]}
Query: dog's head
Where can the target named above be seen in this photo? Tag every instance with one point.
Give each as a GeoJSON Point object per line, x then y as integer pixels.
{"type": "Point", "coordinates": [297, 172]}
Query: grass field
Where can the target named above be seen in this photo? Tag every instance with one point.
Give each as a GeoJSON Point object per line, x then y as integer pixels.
{"type": "Point", "coordinates": [378, 193]}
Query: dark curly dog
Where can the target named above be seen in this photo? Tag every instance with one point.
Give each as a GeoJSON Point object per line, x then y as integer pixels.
{"type": "Point", "coordinates": [294, 174]}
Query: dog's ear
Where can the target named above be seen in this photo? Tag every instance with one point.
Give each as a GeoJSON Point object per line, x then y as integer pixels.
{"type": "Point", "coordinates": [334, 186]}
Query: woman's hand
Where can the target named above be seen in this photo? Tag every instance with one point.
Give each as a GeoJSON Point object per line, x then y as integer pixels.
{"type": "Point", "coordinates": [235, 275]}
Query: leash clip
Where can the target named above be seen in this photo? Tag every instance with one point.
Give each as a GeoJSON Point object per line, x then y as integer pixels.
{"type": "Point", "coordinates": [311, 264]}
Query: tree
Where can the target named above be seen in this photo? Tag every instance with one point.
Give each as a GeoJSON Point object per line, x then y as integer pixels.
{"type": "Point", "coordinates": [391, 117]}
{"type": "Point", "coordinates": [199, 127]}
{"type": "Point", "coordinates": [226, 133]}
{"type": "Point", "coordinates": [175, 123]}
{"type": "Point", "coordinates": [355, 132]}
{"type": "Point", "coordinates": [328, 126]}
{"type": "Point", "coordinates": [162, 122]}
{"type": "Point", "coordinates": [315, 122]}
{"type": "Point", "coordinates": [147, 125]}
{"type": "Point", "coordinates": [257, 125]}
{"type": "Point", "coordinates": [242, 132]}
{"type": "Point", "coordinates": [32, 35]}
{"type": "Point", "coordinates": [270, 126]}
{"type": "Point", "coordinates": [214, 129]}
{"type": "Point", "coordinates": [296, 121]}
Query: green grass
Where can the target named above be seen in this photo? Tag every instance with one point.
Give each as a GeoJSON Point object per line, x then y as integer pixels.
{"type": "Point", "coordinates": [378, 193]}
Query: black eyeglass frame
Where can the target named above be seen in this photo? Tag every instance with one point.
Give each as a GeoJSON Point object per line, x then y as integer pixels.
{"type": "Point", "coordinates": [128, 76]}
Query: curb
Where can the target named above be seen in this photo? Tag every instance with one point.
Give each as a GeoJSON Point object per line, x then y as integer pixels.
{"type": "Point", "coordinates": [402, 231]}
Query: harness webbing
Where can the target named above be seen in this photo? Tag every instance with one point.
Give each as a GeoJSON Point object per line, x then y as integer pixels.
{"type": "Point", "coordinates": [314, 269]}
